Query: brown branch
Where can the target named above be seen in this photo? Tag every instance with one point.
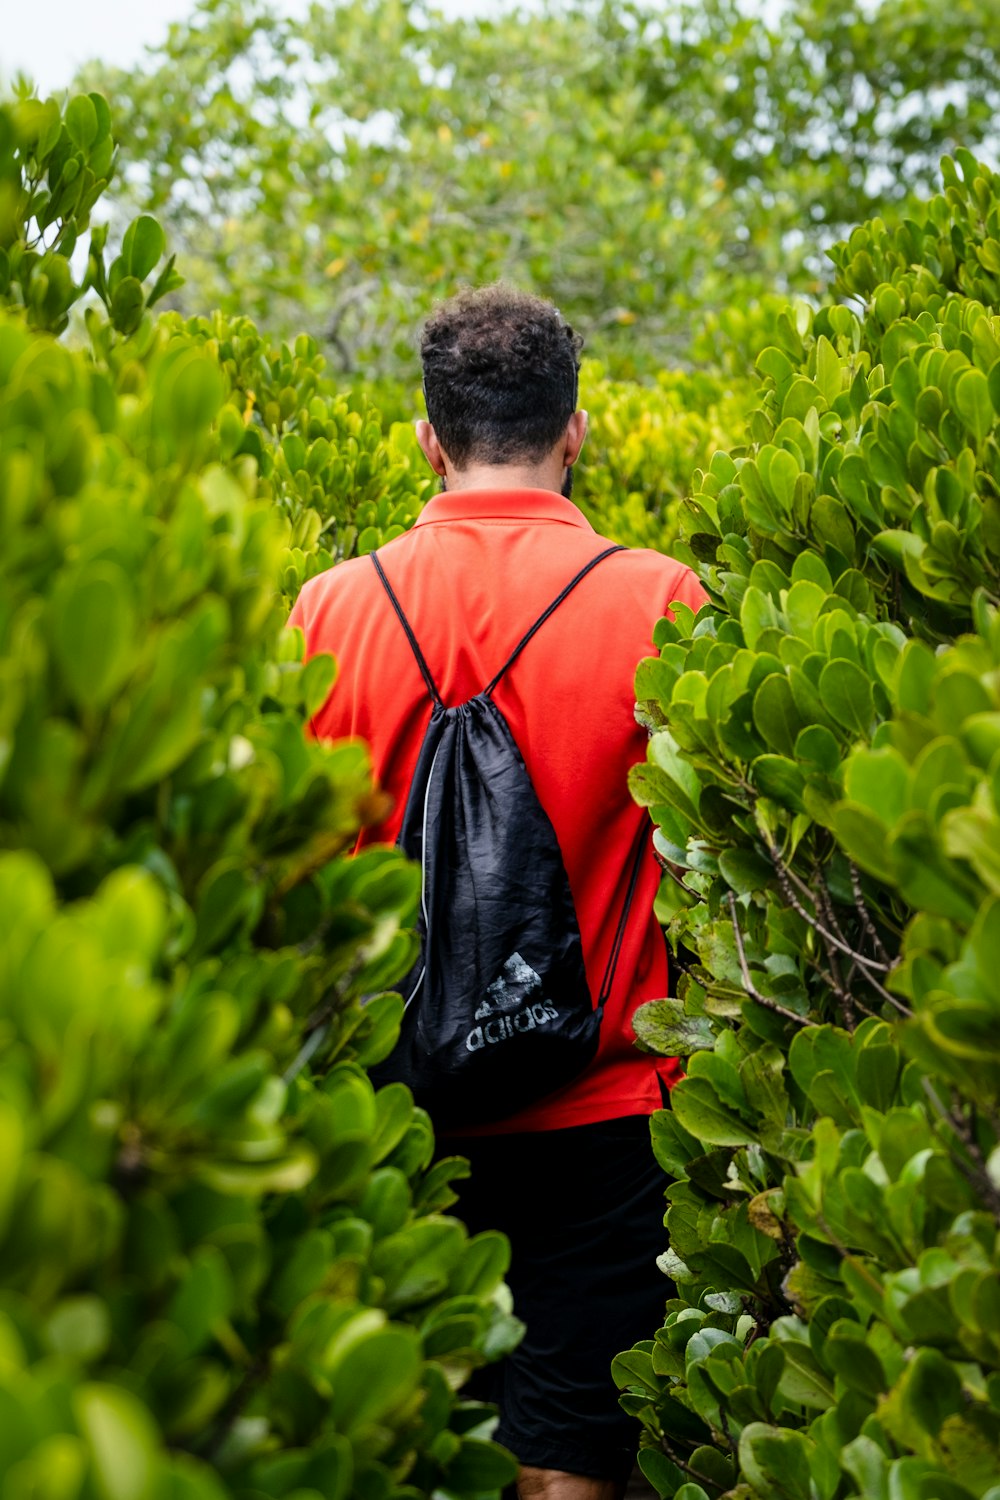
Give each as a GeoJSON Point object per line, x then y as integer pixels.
{"type": "Point", "coordinates": [822, 901]}
{"type": "Point", "coordinates": [869, 967]}
{"type": "Point", "coordinates": [751, 989]}
{"type": "Point", "coordinates": [785, 883]}
{"type": "Point", "coordinates": [725, 1419]}
{"type": "Point", "coordinates": [883, 994]}
{"type": "Point", "coordinates": [323, 851]}
{"type": "Point", "coordinates": [671, 870]}
{"type": "Point", "coordinates": [973, 1170]}
{"type": "Point", "coordinates": [676, 1459]}
{"type": "Point", "coordinates": [862, 910]}
{"type": "Point", "coordinates": [866, 1010]}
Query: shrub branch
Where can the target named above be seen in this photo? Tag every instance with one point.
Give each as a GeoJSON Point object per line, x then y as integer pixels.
{"type": "Point", "coordinates": [752, 991]}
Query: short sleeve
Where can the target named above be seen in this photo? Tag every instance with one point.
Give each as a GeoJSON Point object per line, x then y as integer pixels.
{"type": "Point", "coordinates": [685, 588]}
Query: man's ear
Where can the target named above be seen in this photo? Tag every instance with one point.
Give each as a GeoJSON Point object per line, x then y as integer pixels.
{"type": "Point", "coordinates": [431, 448]}
{"type": "Point", "coordinates": [576, 431]}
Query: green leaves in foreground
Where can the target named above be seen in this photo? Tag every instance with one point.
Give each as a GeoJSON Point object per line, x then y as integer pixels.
{"type": "Point", "coordinates": [226, 1262]}
{"type": "Point", "coordinates": [824, 774]}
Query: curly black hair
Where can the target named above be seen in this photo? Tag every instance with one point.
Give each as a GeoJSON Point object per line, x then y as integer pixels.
{"type": "Point", "coordinates": [500, 376]}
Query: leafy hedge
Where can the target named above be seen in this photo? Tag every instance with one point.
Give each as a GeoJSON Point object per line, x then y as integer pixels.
{"type": "Point", "coordinates": [225, 1261]}
{"type": "Point", "coordinates": [645, 443]}
{"type": "Point", "coordinates": [824, 773]}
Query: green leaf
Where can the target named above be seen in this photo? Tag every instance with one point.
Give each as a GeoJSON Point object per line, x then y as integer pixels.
{"type": "Point", "coordinates": [127, 303]}
{"type": "Point", "coordinates": [932, 1390]}
{"type": "Point", "coordinates": [775, 714]}
{"type": "Point", "coordinates": [899, 548]}
{"type": "Point", "coordinates": [377, 1375]}
{"type": "Point", "coordinates": [915, 678]}
{"type": "Point", "coordinates": [418, 1262]}
{"type": "Point", "coordinates": [203, 1298]}
{"type": "Point", "coordinates": [758, 612]}
{"type": "Point", "coordinates": [878, 780]}
{"type": "Point", "coordinates": [685, 794]}
{"type": "Point", "coordinates": [229, 895]}
{"type": "Point", "coordinates": [79, 1328]}
{"type": "Point", "coordinates": [94, 626]}
{"type": "Point", "coordinates": [168, 281]}
{"type": "Point", "coordinates": [816, 746]}
{"type": "Point", "coordinates": [662, 1474]}
{"type": "Point", "coordinates": [971, 397]}
{"type": "Point", "coordinates": [776, 1461]}
{"type": "Point", "coordinates": [803, 1381]}
{"type": "Point", "coordinates": [662, 1026]}
{"type": "Point", "coordinates": [188, 395]}
{"type": "Point", "coordinates": [971, 833]}
{"type": "Point", "coordinates": [479, 1467]}
{"type": "Point", "coordinates": [984, 944]}
{"type": "Point", "coordinates": [848, 1355]}
{"type": "Point", "coordinates": [122, 1440]}
{"type": "Point", "coordinates": [924, 877]}
{"type": "Point", "coordinates": [773, 362]}
{"type": "Point", "coordinates": [803, 605]}
{"type": "Point", "coordinates": [847, 695]}
{"type": "Point", "coordinates": [782, 474]}
{"type": "Point", "coordinates": [484, 1263]}
{"type": "Point", "coordinates": [865, 1461]}
{"type": "Point", "coordinates": [778, 777]}
{"type": "Point", "coordinates": [142, 246]}
{"type": "Point", "coordinates": [700, 1111]}
{"type": "Point", "coordinates": [743, 869]}
{"type": "Point", "coordinates": [862, 836]}
{"type": "Point", "coordinates": [82, 122]}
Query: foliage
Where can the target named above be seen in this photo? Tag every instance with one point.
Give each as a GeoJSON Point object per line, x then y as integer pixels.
{"type": "Point", "coordinates": [226, 1263]}
{"type": "Point", "coordinates": [824, 776]}
{"type": "Point", "coordinates": [56, 165]}
{"type": "Point", "coordinates": [818, 114]}
{"type": "Point", "coordinates": [643, 166]}
{"type": "Point", "coordinates": [645, 442]}
{"type": "Point", "coordinates": [320, 456]}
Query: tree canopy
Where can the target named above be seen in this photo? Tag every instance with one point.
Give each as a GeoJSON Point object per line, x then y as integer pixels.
{"type": "Point", "coordinates": [645, 165]}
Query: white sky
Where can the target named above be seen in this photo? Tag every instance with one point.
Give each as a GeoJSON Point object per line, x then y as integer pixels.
{"type": "Point", "coordinates": [50, 39]}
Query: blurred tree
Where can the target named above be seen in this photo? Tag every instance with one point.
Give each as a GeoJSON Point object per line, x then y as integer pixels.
{"type": "Point", "coordinates": [828, 113]}
{"type": "Point", "coordinates": [643, 164]}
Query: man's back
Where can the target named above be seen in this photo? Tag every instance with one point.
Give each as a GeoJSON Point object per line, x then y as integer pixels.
{"type": "Point", "coordinates": [477, 570]}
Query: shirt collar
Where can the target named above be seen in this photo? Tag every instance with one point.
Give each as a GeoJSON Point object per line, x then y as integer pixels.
{"type": "Point", "coordinates": [505, 505]}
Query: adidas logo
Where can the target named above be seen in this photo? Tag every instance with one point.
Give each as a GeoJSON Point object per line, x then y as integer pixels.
{"type": "Point", "coordinates": [510, 1005]}
{"type": "Point", "coordinates": [516, 983]}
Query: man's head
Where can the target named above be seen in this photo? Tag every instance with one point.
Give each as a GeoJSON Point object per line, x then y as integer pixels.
{"type": "Point", "coordinates": [500, 382]}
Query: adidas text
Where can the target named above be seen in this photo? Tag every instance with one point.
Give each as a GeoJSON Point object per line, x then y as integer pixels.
{"type": "Point", "coordinates": [500, 1028]}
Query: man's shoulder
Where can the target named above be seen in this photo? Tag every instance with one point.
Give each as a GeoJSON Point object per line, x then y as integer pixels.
{"type": "Point", "coordinates": [648, 569]}
{"type": "Point", "coordinates": [342, 578]}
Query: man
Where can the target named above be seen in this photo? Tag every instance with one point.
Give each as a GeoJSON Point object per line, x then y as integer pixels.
{"type": "Point", "coordinates": [570, 1178]}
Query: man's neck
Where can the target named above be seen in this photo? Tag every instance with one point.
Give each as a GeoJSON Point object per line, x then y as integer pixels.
{"type": "Point", "coordinates": [506, 477]}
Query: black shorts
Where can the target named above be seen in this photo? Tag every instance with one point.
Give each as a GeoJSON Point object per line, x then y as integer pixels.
{"type": "Point", "coordinates": [584, 1209]}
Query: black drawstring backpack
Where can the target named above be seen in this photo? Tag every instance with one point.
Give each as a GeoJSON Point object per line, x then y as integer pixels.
{"type": "Point", "coordinates": [497, 1009]}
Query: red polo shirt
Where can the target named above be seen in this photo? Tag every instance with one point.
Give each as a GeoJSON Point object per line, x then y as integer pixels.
{"type": "Point", "coordinates": [473, 574]}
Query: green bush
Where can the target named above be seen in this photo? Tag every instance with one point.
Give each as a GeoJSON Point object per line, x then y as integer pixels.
{"type": "Point", "coordinates": [823, 772]}
{"type": "Point", "coordinates": [226, 1264]}
{"type": "Point", "coordinates": [321, 455]}
{"type": "Point", "coordinates": [645, 444]}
